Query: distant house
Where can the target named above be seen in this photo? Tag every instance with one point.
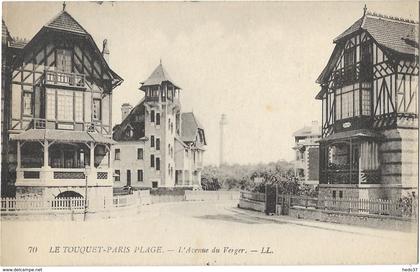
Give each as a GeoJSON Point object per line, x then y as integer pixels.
{"type": "Point", "coordinates": [369, 94]}
{"type": "Point", "coordinates": [157, 144]}
{"type": "Point", "coordinates": [56, 108]}
{"type": "Point", "coordinates": [306, 164]}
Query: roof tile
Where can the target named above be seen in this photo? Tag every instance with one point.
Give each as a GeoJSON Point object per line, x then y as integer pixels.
{"type": "Point", "coordinates": [64, 21]}
{"type": "Point", "coordinates": [158, 76]}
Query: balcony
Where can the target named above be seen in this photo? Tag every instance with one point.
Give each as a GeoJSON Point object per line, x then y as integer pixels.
{"type": "Point", "coordinates": [151, 99]}
{"type": "Point", "coordinates": [63, 79]}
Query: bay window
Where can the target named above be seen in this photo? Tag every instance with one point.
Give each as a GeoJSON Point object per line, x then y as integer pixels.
{"type": "Point", "coordinates": [348, 104]}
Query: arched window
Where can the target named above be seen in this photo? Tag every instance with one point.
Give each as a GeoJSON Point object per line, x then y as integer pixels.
{"type": "Point", "coordinates": [66, 194]}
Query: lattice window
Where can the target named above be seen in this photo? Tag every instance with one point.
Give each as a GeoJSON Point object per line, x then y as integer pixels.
{"type": "Point", "coordinates": [102, 175]}
{"type": "Point", "coordinates": [50, 104]}
{"type": "Point", "coordinates": [65, 106]}
{"type": "Point", "coordinates": [356, 103]}
{"type": "Point", "coordinates": [78, 107]}
{"type": "Point", "coordinates": [366, 103]}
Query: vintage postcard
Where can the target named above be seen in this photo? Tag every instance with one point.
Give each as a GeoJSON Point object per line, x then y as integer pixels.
{"type": "Point", "coordinates": [209, 133]}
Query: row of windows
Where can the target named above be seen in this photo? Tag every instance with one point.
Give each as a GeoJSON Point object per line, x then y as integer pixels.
{"type": "Point", "coordinates": [118, 154]}
{"type": "Point", "coordinates": [63, 104]}
{"type": "Point", "coordinates": [140, 177]}
{"type": "Point", "coordinates": [155, 142]}
{"type": "Point", "coordinates": [155, 117]}
{"type": "Point", "coordinates": [155, 162]}
{"type": "Point", "coordinates": [348, 104]}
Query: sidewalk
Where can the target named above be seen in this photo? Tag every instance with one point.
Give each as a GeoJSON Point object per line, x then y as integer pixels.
{"type": "Point", "coordinates": [360, 230]}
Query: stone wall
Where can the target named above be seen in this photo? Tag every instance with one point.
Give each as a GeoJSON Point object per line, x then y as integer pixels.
{"type": "Point", "coordinates": [399, 158]}
{"type": "Point", "coordinates": [368, 220]}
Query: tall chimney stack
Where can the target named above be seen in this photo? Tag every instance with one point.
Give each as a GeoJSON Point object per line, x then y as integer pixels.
{"type": "Point", "coordinates": [105, 50]}
{"type": "Point", "coordinates": [125, 110]}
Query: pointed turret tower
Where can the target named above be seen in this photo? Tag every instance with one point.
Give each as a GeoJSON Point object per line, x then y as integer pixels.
{"type": "Point", "coordinates": [162, 126]}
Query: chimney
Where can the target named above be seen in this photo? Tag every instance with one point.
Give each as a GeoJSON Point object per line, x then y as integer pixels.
{"type": "Point", "coordinates": [125, 110]}
{"type": "Point", "coordinates": [315, 127]}
{"type": "Point", "coordinates": [105, 50]}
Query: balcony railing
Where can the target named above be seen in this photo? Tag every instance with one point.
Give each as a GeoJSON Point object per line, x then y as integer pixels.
{"type": "Point", "coordinates": [340, 174]}
{"type": "Point", "coordinates": [64, 79]}
{"type": "Point", "coordinates": [38, 123]}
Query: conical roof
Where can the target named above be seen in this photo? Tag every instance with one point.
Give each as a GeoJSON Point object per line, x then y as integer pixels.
{"type": "Point", "coordinates": [158, 76]}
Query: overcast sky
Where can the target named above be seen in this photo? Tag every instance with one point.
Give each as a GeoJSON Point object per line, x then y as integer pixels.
{"type": "Point", "coordinates": [255, 62]}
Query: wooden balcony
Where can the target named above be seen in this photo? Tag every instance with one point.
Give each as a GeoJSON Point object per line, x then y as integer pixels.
{"type": "Point", "coordinates": [62, 79]}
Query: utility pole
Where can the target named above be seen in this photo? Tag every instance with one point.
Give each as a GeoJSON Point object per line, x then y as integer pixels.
{"type": "Point", "coordinates": [222, 123]}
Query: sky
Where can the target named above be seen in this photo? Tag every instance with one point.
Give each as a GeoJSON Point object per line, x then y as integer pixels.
{"type": "Point", "coordinates": [256, 62]}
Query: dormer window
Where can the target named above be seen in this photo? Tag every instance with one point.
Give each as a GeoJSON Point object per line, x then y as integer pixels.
{"type": "Point", "coordinates": [129, 132]}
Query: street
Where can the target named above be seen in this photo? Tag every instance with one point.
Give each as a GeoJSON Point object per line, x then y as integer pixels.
{"type": "Point", "coordinates": [209, 233]}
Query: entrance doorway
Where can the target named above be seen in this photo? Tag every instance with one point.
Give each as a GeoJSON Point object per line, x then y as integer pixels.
{"type": "Point", "coordinates": [128, 177]}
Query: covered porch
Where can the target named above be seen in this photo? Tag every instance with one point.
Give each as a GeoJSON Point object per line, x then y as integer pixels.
{"type": "Point", "coordinates": [350, 157]}
{"type": "Point", "coordinates": [65, 158]}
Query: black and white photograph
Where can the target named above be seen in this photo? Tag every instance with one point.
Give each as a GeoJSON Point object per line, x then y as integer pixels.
{"type": "Point", "coordinates": [209, 133]}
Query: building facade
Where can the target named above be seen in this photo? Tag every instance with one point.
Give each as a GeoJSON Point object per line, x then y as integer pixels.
{"type": "Point", "coordinates": [157, 144]}
{"type": "Point", "coordinates": [58, 100]}
{"type": "Point", "coordinates": [306, 164]}
{"type": "Point", "coordinates": [369, 110]}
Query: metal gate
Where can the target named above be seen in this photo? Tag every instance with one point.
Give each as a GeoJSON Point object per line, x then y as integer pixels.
{"type": "Point", "coordinates": [270, 199]}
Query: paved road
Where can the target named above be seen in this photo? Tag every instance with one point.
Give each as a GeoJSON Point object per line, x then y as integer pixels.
{"type": "Point", "coordinates": [191, 233]}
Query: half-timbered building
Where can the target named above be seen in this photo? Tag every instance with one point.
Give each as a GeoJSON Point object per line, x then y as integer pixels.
{"type": "Point", "coordinates": [58, 105]}
{"type": "Point", "coordinates": [157, 144]}
{"type": "Point", "coordinates": [369, 110]}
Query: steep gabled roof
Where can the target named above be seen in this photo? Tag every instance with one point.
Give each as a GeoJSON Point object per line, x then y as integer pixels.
{"type": "Point", "coordinates": [130, 120]}
{"type": "Point", "coordinates": [189, 127]}
{"type": "Point", "coordinates": [158, 76]}
{"type": "Point", "coordinates": [396, 34]}
{"type": "Point", "coordinates": [5, 34]}
{"type": "Point", "coordinates": [64, 21]}
{"type": "Point", "coordinates": [393, 34]}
